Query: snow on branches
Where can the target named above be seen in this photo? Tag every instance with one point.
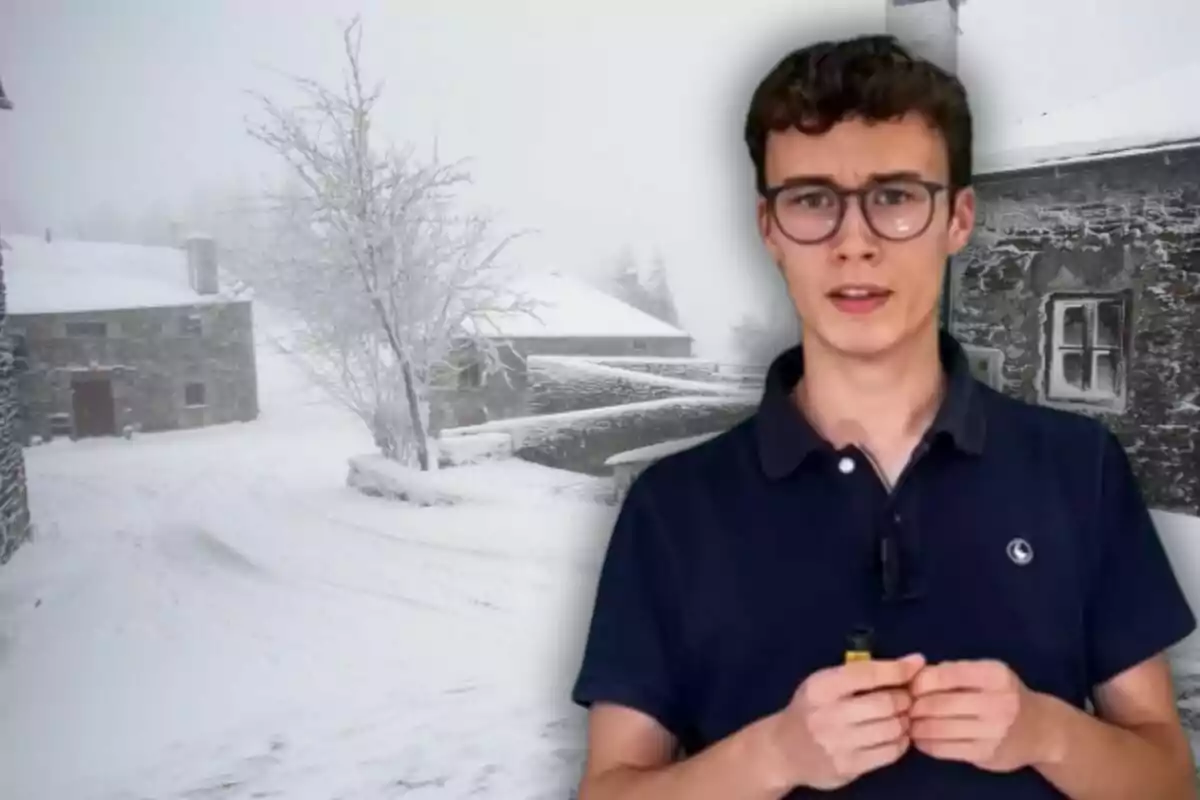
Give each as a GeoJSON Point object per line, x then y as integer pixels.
{"type": "Point", "coordinates": [367, 246]}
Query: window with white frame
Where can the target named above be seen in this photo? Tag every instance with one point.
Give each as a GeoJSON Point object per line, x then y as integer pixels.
{"type": "Point", "coordinates": [1087, 347]}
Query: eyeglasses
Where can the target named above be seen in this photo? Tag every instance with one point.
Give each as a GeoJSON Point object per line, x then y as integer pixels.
{"type": "Point", "coordinates": [811, 212]}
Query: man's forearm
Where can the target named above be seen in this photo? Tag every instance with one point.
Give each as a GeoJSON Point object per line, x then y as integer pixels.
{"type": "Point", "coordinates": [1087, 758]}
{"type": "Point", "coordinates": [742, 766]}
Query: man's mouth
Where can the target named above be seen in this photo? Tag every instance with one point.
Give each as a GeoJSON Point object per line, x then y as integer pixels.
{"type": "Point", "coordinates": [859, 298]}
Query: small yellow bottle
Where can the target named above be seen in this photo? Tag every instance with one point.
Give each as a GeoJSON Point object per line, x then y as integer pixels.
{"type": "Point", "coordinates": [858, 645]}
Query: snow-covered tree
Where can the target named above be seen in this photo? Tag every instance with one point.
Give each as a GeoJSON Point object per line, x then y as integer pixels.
{"type": "Point", "coordinates": [646, 289]}
{"type": "Point", "coordinates": [365, 246]}
{"type": "Point", "coordinates": [658, 288]}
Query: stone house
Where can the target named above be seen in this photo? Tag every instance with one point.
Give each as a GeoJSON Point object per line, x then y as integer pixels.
{"type": "Point", "coordinates": [15, 523]}
{"type": "Point", "coordinates": [1081, 290]}
{"type": "Point", "coordinates": [14, 506]}
{"type": "Point", "coordinates": [113, 338]}
{"type": "Point", "coordinates": [567, 317]}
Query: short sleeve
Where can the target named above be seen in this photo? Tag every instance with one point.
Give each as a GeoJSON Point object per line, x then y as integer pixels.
{"type": "Point", "coordinates": [1137, 608]}
{"type": "Point", "coordinates": [631, 655]}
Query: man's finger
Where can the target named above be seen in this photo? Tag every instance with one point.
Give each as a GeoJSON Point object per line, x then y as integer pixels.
{"type": "Point", "coordinates": [970, 752]}
{"type": "Point", "coordinates": [873, 734]}
{"type": "Point", "coordinates": [948, 676]}
{"type": "Point", "coordinates": [862, 676]}
{"type": "Point", "coordinates": [882, 704]}
{"type": "Point", "coordinates": [873, 758]}
{"type": "Point", "coordinates": [953, 729]}
{"type": "Point", "coordinates": [959, 703]}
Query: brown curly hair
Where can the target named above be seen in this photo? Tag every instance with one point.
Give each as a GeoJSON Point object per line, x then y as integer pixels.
{"type": "Point", "coordinates": [873, 78]}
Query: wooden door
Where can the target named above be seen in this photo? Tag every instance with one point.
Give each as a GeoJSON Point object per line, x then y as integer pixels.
{"type": "Point", "coordinates": [95, 412]}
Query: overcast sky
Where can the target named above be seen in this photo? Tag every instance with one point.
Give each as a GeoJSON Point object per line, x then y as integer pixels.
{"type": "Point", "coordinates": [602, 126]}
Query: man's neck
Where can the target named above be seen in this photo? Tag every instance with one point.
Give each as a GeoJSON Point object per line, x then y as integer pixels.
{"type": "Point", "coordinates": [883, 405]}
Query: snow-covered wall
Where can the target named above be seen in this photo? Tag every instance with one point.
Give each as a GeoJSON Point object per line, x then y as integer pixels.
{"type": "Point", "coordinates": [558, 384]}
{"type": "Point", "coordinates": [1085, 278]}
{"type": "Point", "coordinates": [582, 441]}
{"type": "Point", "coordinates": [14, 508]}
{"type": "Point", "coordinates": [507, 395]}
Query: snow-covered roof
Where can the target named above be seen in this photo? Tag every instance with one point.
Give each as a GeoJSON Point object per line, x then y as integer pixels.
{"type": "Point", "coordinates": [654, 452]}
{"type": "Point", "coordinates": [1077, 153]}
{"type": "Point", "coordinates": [1147, 115]}
{"type": "Point", "coordinates": [566, 307]}
{"type": "Point", "coordinates": [69, 276]}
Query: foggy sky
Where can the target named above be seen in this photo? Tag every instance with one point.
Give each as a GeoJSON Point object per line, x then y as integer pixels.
{"type": "Point", "coordinates": [603, 125]}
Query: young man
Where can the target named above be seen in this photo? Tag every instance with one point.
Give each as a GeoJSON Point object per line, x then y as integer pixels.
{"type": "Point", "coordinates": [999, 554]}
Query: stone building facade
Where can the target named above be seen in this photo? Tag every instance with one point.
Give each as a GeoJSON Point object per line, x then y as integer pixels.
{"type": "Point", "coordinates": [103, 373]}
{"type": "Point", "coordinates": [1081, 290]}
{"type": "Point", "coordinates": [107, 371]}
{"type": "Point", "coordinates": [15, 524]}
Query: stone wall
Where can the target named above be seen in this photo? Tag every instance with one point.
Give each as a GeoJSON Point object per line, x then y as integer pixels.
{"type": "Point", "coordinates": [583, 441]}
{"type": "Point", "coordinates": [1104, 254]}
{"type": "Point", "coordinates": [14, 506]}
{"type": "Point", "coordinates": [663, 347]}
{"type": "Point", "coordinates": [506, 395]}
{"type": "Point", "coordinates": [155, 359]}
{"type": "Point", "coordinates": [688, 369]}
{"type": "Point", "coordinates": [557, 385]}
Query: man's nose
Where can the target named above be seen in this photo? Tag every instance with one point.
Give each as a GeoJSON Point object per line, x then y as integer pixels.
{"type": "Point", "coordinates": [855, 241]}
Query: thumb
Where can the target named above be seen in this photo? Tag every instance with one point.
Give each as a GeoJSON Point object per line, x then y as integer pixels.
{"type": "Point", "coordinates": [912, 664]}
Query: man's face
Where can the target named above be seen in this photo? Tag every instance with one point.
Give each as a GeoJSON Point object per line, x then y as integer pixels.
{"type": "Point", "coordinates": [858, 292]}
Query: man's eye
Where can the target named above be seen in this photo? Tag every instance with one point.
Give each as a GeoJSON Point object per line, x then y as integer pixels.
{"type": "Point", "coordinates": [893, 196]}
{"type": "Point", "coordinates": [811, 200]}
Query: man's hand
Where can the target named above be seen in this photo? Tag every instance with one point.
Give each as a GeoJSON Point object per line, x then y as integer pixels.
{"type": "Point", "coordinates": [845, 721]}
{"type": "Point", "coordinates": [978, 712]}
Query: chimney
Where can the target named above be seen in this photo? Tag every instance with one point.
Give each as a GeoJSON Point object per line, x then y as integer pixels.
{"type": "Point", "coordinates": [202, 264]}
{"type": "Point", "coordinates": [929, 28]}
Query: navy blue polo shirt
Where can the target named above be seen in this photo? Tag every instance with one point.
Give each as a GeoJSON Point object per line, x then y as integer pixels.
{"type": "Point", "coordinates": [738, 567]}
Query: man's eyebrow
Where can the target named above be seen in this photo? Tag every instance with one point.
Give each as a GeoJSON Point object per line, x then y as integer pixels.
{"type": "Point", "coordinates": [874, 177]}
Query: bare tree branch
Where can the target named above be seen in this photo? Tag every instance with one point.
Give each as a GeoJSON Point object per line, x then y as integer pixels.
{"type": "Point", "coordinates": [366, 247]}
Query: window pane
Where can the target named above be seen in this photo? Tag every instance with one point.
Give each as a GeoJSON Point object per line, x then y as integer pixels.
{"type": "Point", "coordinates": [1108, 325]}
{"type": "Point", "coordinates": [87, 329]}
{"type": "Point", "coordinates": [1104, 378]}
{"type": "Point", "coordinates": [193, 394]}
{"type": "Point", "coordinates": [1074, 325]}
{"type": "Point", "coordinates": [1072, 367]}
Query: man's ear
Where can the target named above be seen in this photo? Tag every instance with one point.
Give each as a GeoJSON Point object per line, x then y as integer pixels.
{"type": "Point", "coordinates": [962, 219]}
{"type": "Point", "coordinates": [762, 216]}
{"type": "Point", "coordinates": [765, 228]}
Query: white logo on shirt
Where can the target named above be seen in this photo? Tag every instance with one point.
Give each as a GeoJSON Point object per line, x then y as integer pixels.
{"type": "Point", "coordinates": [1020, 552]}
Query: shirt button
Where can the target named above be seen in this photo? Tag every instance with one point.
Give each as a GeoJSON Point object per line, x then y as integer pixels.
{"type": "Point", "coordinates": [846, 465]}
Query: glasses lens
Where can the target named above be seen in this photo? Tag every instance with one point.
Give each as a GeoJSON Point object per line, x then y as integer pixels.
{"type": "Point", "coordinates": [898, 209]}
{"type": "Point", "coordinates": [895, 210]}
{"type": "Point", "coordinates": [807, 213]}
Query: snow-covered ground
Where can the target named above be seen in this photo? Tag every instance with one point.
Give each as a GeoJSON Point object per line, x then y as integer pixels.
{"type": "Point", "coordinates": [213, 614]}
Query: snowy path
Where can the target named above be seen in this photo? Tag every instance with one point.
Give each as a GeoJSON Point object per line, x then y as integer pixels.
{"type": "Point", "coordinates": [211, 614]}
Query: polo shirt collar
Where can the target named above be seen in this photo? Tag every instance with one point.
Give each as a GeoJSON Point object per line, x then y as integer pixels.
{"type": "Point", "coordinates": [785, 438]}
